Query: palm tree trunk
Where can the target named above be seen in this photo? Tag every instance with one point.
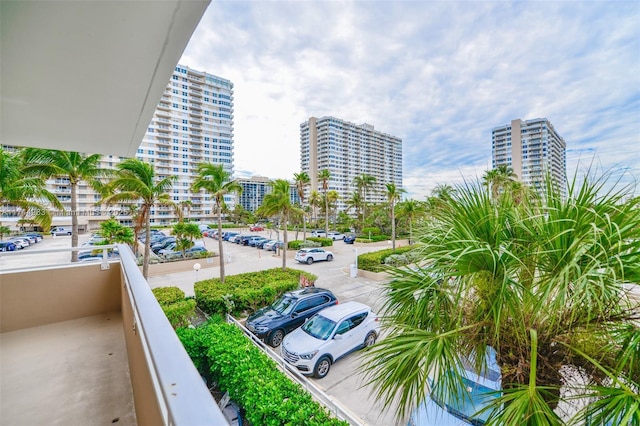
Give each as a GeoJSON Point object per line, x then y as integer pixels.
{"type": "Point", "coordinates": [74, 220]}
{"type": "Point", "coordinates": [285, 243]}
{"type": "Point", "coordinates": [326, 215]}
{"type": "Point", "coordinates": [147, 243]}
{"type": "Point", "coordinates": [220, 245]}
{"type": "Point", "coordinates": [393, 226]}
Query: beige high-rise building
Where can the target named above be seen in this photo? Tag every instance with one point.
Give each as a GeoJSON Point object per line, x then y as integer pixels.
{"type": "Point", "coordinates": [349, 150]}
{"type": "Point", "coordinates": [532, 148]}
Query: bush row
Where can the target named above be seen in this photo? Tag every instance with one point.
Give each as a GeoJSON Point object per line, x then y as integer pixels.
{"type": "Point", "coordinates": [222, 352]}
{"type": "Point", "coordinates": [375, 261]}
{"type": "Point", "coordinates": [310, 242]}
{"type": "Point", "coordinates": [175, 306]}
{"type": "Point", "coordinates": [245, 293]}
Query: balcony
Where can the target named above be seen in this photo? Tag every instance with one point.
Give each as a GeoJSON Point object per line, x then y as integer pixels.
{"type": "Point", "coordinates": [88, 343]}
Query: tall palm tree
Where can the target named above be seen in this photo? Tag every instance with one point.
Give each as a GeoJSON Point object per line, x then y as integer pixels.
{"type": "Point", "coordinates": [542, 282]}
{"type": "Point", "coordinates": [393, 194]}
{"type": "Point", "coordinates": [302, 180]}
{"type": "Point", "coordinates": [355, 202]}
{"type": "Point", "coordinates": [364, 183]}
{"type": "Point", "coordinates": [315, 201]}
{"type": "Point", "coordinates": [332, 198]}
{"type": "Point", "coordinates": [186, 206]}
{"type": "Point", "coordinates": [136, 181]}
{"type": "Point", "coordinates": [27, 193]}
{"type": "Point", "coordinates": [499, 179]}
{"type": "Point", "coordinates": [74, 166]}
{"type": "Point", "coordinates": [278, 202]}
{"type": "Point", "coordinates": [215, 180]}
{"type": "Point", "coordinates": [411, 210]}
{"type": "Point", "coordinates": [324, 176]}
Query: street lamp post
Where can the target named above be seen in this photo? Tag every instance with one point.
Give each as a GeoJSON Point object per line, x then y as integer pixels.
{"type": "Point", "coordinates": [196, 267]}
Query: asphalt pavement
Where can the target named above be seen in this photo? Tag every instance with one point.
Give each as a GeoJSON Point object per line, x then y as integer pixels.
{"type": "Point", "coordinates": [344, 383]}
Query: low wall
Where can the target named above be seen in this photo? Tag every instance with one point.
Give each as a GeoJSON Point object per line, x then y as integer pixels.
{"type": "Point", "coordinates": [375, 276]}
{"type": "Point", "coordinates": [182, 266]}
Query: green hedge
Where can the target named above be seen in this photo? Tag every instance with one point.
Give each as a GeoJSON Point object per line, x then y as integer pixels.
{"type": "Point", "coordinates": [324, 242]}
{"type": "Point", "coordinates": [375, 261]}
{"type": "Point", "coordinates": [370, 231]}
{"type": "Point", "coordinates": [246, 292]}
{"type": "Point", "coordinates": [168, 295]}
{"type": "Point", "coordinates": [174, 305]}
{"type": "Point", "coordinates": [224, 354]}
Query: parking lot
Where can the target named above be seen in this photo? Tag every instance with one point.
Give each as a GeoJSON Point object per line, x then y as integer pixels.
{"type": "Point", "coordinates": [344, 384]}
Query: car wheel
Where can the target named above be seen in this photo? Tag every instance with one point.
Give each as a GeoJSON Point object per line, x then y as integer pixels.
{"type": "Point", "coordinates": [309, 260]}
{"type": "Point", "coordinates": [370, 339]}
{"type": "Point", "coordinates": [322, 367]}
{"type": "Point", "coordinates": [68, 233]}
{"type": "Point", "coordinates": [276, 338]}
{"type": "Point", "coordinates": [329, 258]}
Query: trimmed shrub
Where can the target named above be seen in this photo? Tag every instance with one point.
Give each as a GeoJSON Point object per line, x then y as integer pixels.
{"type": "Point", "coordinates": [370, 231]}
{"type": "Point", "coordinates": [375, 261]}
{"type": "Point", "coordinates": [226, 356]}
{"type": "Point", "coordinates": [174, 305]}
{"type": "Point", "coordinates": [248, 292]}
{"type": "Point", "coordinates": [324, 242]}
{"type": "Point", "coordinates": [168, 295]}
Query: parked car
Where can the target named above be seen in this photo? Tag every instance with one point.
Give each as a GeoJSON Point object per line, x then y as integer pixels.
{"type": "Point", "coordinates": [257, 241]}
{"type": "Point", "coordinates": [228, 235]}
{"type": "Point", "coordinates": [318, 233]}
{"type": "Point", "coordinates": [20, 242]}
{"type": "Point", "coordinates": [287, 313]}
{"type": "Point", "coordinates": [329, 335]}
{"type": "Point", "coordinates": [244, 240]}
{"type": "Point", "coordinates": [36, 235]}
{"type": "Point", "coordinates": [7, 246]}
{"type": "Point", "coordinates": [61, 230]}
{"type": "Point", "coordinates": [273, 245]}
{"type": "Point", "coordinates": [31, 239]}
{"type": "Point", "coordinates": [190, 252]}
{"type": "Point", "coordinates": [252, 241]}
{"type": "Point", "coordinates": [310, 255]}
{"type": "Point", "coordinates": [461, 407]}
{"type": "Point", "coordinates": [256, 228]}
{"type": "Point", "coordinates": [335, 236]}
{"type": "Point", "coordinates": [162, 244]}
{"type": "Point", "coordinates": [349, 239]}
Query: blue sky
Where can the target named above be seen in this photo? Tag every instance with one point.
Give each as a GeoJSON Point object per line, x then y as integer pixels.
{"type": "Point", "coordinates": [438, 74]}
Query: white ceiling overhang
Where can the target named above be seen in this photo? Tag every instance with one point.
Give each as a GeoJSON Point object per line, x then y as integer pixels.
{"type": "Point", "coordinates": [87, 76]}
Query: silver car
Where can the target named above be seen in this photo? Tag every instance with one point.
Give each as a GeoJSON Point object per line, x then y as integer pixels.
{"type": "Point", "coordinates": [310, 255]}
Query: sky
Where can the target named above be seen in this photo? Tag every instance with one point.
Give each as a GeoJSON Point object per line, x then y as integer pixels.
{"type": "Point", "coordinates": [438, 74]}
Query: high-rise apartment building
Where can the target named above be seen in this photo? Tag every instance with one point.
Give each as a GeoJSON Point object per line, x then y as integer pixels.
{"type": "Point", "coordinates": [532, 148]}
{"type": "Point", "coordinates": [192, 123]}
{"type": "Point", "coordinates": [255, 188]}
{"type": "Point", "coordinates": [349, 150]}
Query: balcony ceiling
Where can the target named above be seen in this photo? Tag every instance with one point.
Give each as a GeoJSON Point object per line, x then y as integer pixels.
{"type": "Point", "coordinates": [87, 76]}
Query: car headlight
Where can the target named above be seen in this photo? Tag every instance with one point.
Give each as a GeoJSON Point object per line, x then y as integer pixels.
{"type": "Point", "coordinates": [308, 355]}
{"type": "Point", "coordinates": [261, 329]}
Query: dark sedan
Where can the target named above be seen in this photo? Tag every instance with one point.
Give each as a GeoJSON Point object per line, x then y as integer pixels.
{"type": "Point", "coordinates": [288, 313]}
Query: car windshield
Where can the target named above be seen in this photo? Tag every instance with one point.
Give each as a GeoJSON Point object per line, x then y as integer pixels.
{"type": "Point", "coordinates": [465, 403]}
{"type": "Point", "coordinates": [319, 327]}
{"type": "Point", "coordinates": [284, 305]}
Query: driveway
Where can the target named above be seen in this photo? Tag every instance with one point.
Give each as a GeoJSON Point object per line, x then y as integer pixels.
{"type": "Point", "coordinates": [343, 383]}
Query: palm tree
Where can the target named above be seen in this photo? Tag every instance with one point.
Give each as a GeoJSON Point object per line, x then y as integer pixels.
{"type": "Point", "coordinates": [215, 180]}
{"type": "Point", "coordinates": [411, 210]}
{"type": "Point", "coordinates": [278, 202]}
{"type": "Point", "coordinates": [499, 179]}
{"type": "Point", "coordinates": [185, 233]}
{"type": "Point", "coordinates": [315, 201]}
{"type": "Point", "coordinates": [136, 181]}
{"type": "Point", "coordinates": [355, 202]}
{"type": "Point", "coordinates": [74, 166]}
{"type": "Point", "coordinates": [542, 282]}
{"type": "Point", "coordinates": [332, 198]}
{"type": "Point", "coordinates": [25, 192]}
{"type": "Point", "coordinates": [302, 180]}
{"type": "Point", "coordinates": [364, 183]}
{"type": "Point", "coordinates": [186, 206]}
{"type": "Point", "coordinates": [393, 195]}
{"type": "Point", "coordinates": [324, 177]}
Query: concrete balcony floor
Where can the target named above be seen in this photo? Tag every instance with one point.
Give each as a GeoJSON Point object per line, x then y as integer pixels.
{"type": "Point", "coordinates": [66, 373]}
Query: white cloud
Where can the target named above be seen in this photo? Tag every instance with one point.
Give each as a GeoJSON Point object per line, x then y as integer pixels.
{"type": "Point", "coordinates": [440, 75]}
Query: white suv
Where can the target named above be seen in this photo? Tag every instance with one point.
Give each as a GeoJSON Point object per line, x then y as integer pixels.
{"type": "Point", "coordinates": [329, 335]}
{"type": "Point", "coordinates": [310, 255]}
